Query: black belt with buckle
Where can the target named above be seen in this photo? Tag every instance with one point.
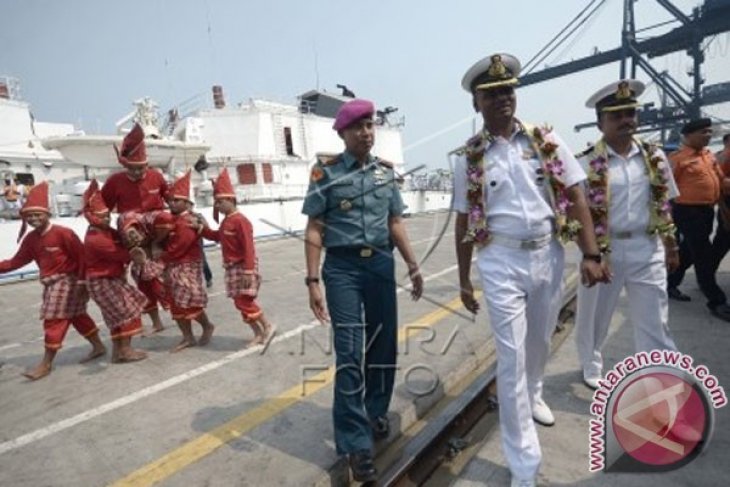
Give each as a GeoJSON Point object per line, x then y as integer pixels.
{"type": "Point", "coordinates": [358, 251]}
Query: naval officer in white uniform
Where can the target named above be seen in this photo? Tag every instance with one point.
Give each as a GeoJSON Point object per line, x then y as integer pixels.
{"type": "Point", "coordinates": [516, 189]}
{"type": "Point", "coordinates": [629, 186]}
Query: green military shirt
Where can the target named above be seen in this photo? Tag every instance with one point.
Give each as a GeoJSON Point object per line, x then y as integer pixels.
{"type": "Point", "coordinates": [354, 203]}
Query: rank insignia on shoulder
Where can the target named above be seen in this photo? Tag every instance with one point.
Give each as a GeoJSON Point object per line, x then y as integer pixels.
{"type": "Point", "coordinates": [327, 159]}
{"type": "Point", "coordinates": [584, 153]}
{"type": "Point", "coordinates": [474, 140]}
{"type": "Point", "coordinates": [317, 174]}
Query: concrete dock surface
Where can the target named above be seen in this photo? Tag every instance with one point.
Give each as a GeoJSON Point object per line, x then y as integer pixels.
{"type": "Point", "coordinates": [565, 445]}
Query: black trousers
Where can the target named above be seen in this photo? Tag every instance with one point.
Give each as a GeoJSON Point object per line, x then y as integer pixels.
{"type": "Point", "coordinates": [695, 223]}
{"type": "Point", "coordinates": [721, 241]}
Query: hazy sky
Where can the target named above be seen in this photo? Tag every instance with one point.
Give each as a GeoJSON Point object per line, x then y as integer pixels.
{"type": "Point", "coordinates": [84, 61]}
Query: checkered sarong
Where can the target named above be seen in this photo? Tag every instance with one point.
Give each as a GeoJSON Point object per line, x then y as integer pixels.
{"type": "Point", "coordinates": [63, 297]}
{"type": "Point", "coordinates": [118, 301]}
{"type": "Point", "coordinates": [184, 283]}
{"type": "Point", "coordinates": [151, 269]}
{"type": "Point", "coordinates": [234, 281]}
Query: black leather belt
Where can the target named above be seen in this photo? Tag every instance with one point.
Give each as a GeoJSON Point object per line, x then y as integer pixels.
{"type": "Point", "coordinates": [364, 251]}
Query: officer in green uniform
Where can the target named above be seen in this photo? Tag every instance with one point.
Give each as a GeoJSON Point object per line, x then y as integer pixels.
{"type": "Point", "coordinates": [354, 209]}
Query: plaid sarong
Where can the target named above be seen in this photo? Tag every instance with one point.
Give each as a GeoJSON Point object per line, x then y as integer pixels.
{"type": "Point", "coordinates": [234, 281]}
{"type": "Point", "coordinates": [184, 283]}
{"type": "Point", "coordinates": [151, 269]}
{"type": "Point", "coordinates": [118, 301]}
{"type": "Point", "coordinates": [63, 297]}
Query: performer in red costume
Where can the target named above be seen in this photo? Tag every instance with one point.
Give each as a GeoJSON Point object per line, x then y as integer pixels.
{"type": "Point", "coordinates": [106, 268]}
{"type": "Point", "coordinates": [183, 258]}
{"type": "Point", "coordinates": [235, 235]}
{"type": "Point", "coordinates": [138, 194]}
{"type": "Point", "coordinates": [59, 254]}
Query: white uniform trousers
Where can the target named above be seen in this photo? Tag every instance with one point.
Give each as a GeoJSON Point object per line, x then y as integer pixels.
{"type": "Point", "coordinates": [522, 289]}
{"type": "Point", "coordinates": [638, 264]}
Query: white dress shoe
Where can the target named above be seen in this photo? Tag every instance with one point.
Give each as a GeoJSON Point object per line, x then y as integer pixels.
{"type": "Point", "coordinates": [591, 380]}
{"type": "Point", "coordinates": [541, 413]}
{"type": "Point", "coordinates": [523, 482]}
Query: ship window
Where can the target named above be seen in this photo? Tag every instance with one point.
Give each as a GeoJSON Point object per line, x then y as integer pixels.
{"type": "Point", "coordinates": [25, 178]}
{"type": "Point", "coordinates": [246, 173]}
{"type": "Point", "coordinates": [288, 141]}
{"type": "Point", "coordinates": [268, 172]}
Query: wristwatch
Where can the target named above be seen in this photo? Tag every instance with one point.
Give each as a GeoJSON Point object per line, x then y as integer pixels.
{"type": "Point", "coordinates": [594, 257]}
{"type": "Point", "coordinates": [311, 280]}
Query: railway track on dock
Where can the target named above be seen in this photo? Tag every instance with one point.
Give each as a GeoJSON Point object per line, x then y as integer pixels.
{"type": "Point", "coordinates": [435, 449]}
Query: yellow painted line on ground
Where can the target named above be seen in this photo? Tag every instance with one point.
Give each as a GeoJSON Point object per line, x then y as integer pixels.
{"type": "Point", "coordinates": [207, 443]}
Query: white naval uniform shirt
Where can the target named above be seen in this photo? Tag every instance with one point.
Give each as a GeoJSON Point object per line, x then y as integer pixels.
{"type": "Point", "coordinates": [629, 189]}
{"type": "Point", "coordinates": [515, 190]}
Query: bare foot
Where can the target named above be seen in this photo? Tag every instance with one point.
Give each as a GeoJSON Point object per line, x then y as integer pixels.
{"type": "Point", "coordinates": [41, 370]}
{"type": "Point", "coordinates": [207, 333]}
{"type": "Point", "coordinates": [185, 343]}
{"type": "Point", "coordinates": [130, 356]}
{"type": "Point", "coordinates": [269, 332]}
{"type": "Point", "coordinates": [95, 352]}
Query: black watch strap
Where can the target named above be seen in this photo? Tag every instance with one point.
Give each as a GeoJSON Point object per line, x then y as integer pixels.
{"type": "Point", "coordinates": [311, 280]}
{"type": "Point", "coordinates": [594, 257]}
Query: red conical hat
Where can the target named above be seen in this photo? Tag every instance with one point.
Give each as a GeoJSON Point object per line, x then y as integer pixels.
{"type": "Point", "coordinates": [133, 151]}
{"type": "Point", "coordinates": [37, 200]}
{"type": "Point", "coordinates": [181, 188]}
{"type": "Point", "coordinates": [223, 188]}
{"type": "Point", "coordinates": [94, 203]}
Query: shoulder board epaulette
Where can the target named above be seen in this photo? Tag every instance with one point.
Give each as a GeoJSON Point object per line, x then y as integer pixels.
{"type": "Point", "coordinates": [385, 163]}
{"type": "Point", "coordinates": [584, 153]}
{"type": "Point", "coordinates": [648, 146]}
{"type": "Point", "coordinates": [459, 151]}
{"type": "Point", "coordinates": [472, 142]}
{"type": "Point", "coordinates": [328, 159]}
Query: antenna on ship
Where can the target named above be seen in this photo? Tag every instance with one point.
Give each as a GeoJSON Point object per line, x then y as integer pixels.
{"type": "Point", "coordinates": [316, 64]}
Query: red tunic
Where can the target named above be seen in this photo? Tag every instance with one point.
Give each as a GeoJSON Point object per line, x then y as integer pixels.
{"type": "Point", "coordinates": [105, 256]}
{"type": "Point", "coordinates": [121, 194]}
{"type": "Point", "coordinates": [183, 242]}
{"type": "Point", "coordinates": [235, 235]}
{"type": "Point", "coordinates": [56, 251]}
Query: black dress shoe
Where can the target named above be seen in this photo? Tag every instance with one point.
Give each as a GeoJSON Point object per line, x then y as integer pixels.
{"type": "Point", "coordinates": [362, 466]}
{"type": "Point", "coordinates": [381, 428]}
{"type": "Point", "coordinates": [721, 311]}
{"type": "Point", "coordinates": [677, 295]}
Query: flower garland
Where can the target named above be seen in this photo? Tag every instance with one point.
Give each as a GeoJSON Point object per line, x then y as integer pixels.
{"type": "Point", "coordinates": [660, 213]}
{"type": "Point", "coordinates": [567, 228]}
{"type": "Point", "coordinates": [552, 166]}
{"type": "Point", "coordinates": [477, 230]}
